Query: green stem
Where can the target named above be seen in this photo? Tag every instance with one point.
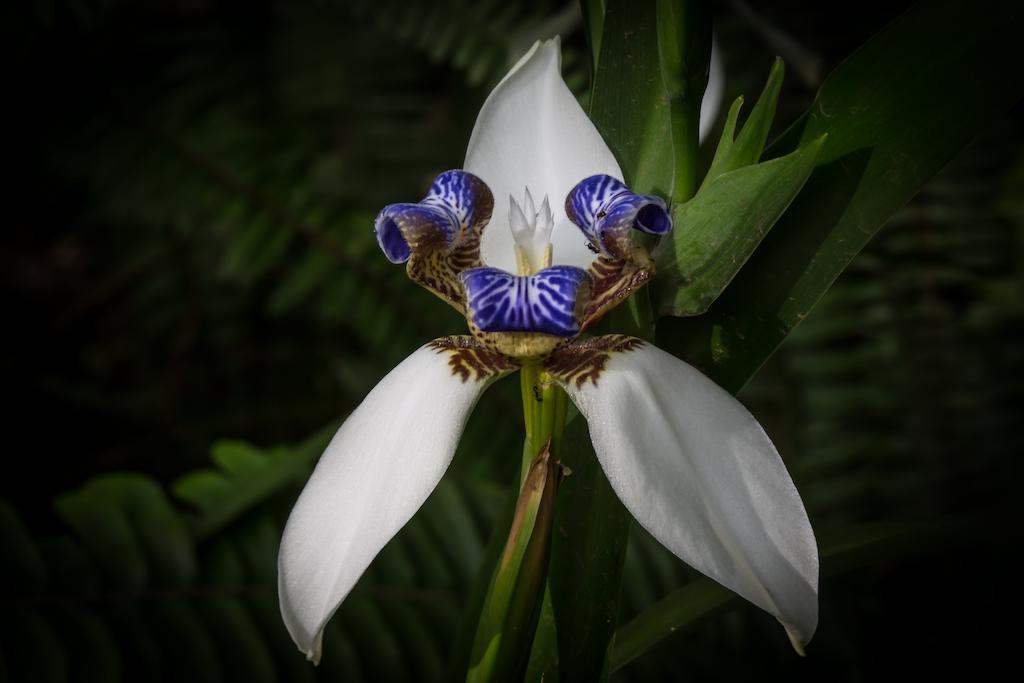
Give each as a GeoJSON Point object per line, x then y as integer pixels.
{"type": "Point", "coordinates": [684, 48]}
{"type": "Point", "coordinates": [685, 119]}
{"type": "Point", "coordinates": [527, 380]}
{"type": "Point", "coordinates": [504, 637]}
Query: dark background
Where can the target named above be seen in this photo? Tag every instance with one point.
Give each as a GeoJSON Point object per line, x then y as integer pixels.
{"type": "Point", "coordinates": [188, 264]}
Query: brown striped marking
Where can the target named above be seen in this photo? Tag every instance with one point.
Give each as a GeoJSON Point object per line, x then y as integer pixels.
{"type": "Point", "coordinates": [471, 360]}
{"type": "Point", "coordinates": [437, 269]}
{"type": "Point", "coordinates": [583, 361]}
{"type": "Point", "coordinates": [613, 280]}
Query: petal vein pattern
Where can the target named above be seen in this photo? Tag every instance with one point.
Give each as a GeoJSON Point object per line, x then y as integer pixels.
{"type": "Point", "coordinates": [699, 473]}
{"type": "Point", "coordinates": [605, 210]}
{"type": "Point", "coordinates": [377, 471]}
{"type": "Point", "coordinates": [439, 236]}
{"type": "Point", "coordinates": [545, 302]}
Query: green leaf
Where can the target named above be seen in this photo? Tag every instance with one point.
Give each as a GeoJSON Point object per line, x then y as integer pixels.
{"type": "Point", "coordinates": [629, 102]}
{"type": "Point", "coordinates": [246, 477]}
{"type": "Point", "coordinates": [128, 525]}
{"type": "Point", "coordinates": [717, 231]}
{"type": "Point", "coordinates": [32, 649]}
{"type": "Point", "coordinates": [682, 608]}
{"type": "Point", "coordinates": [92, 652]}
{"type": "Point", "coordinates": [745, 149]}
{"type": "Point", "coordinates": [22, 566]}
{"type": "Point", "coordinates": [646, 93]}
{"type": "Point", "coordinates": [593, 21]}
{"type": "Point", "coordinates": [842, 550]}
{"type": "Point", "coordinates": [684, 52]}
{"type": "Point", "coordinates": [461, 649]}
{"type": "Point", "coordinates": [896, 111]}
{"type": "Point", "coordinates": [587, 555]}
{"type": "Point", "coordinates": [509, 616]}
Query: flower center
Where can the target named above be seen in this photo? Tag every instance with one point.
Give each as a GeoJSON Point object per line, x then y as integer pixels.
{"type": "Point", "coordinates": [531, 230]}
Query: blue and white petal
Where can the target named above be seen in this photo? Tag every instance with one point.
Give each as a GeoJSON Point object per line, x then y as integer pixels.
{"type": "Point", "coordinates": [547, 302]}
{"type": "Point", "coordinates": [606, 210]}
{"type": "Point", "coordinates": [377, 471]}
{"type": "Point", "coordinates": [458, 203]}
{"type": "Point", "coordinates": [438, 237]}
{"type": "Point", "coordinates": [698, 472]}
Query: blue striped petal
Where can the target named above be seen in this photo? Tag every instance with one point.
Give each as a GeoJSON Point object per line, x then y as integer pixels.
{"type": "Point", "coordinates": [458, 204]}
{"type": "Point", "coordinates": [605, 210]}
{"type": "Point", "coordinates": [544, 302]}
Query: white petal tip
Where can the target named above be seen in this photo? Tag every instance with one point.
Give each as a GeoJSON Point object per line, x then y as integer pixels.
{"type": "Point", "coordinates": [795, 640]}
{"type": "Point", "coordinates": [339, 524]}
{"type": "Point", "coordinates": [313, 653]}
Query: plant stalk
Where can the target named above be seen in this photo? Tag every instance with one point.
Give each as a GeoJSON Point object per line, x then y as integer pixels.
{"type": "Point", "coordinates": [501, 648]}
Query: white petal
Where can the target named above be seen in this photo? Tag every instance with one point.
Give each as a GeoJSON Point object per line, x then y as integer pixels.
{"type": "Point", "coordinates": [711, 103]}
{"type": "Point", "coordinates": [532, 133]}
{"type": "Point", "coordinates": [377, 471]}
{"type": "Point", "coordinates": [699, 473]}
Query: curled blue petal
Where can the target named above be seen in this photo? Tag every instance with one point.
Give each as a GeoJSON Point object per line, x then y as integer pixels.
{"type": "Point", "coordinates": [605, 210]}
{"type": "Point", "coordinates": [544, 302]}
{"type": "Point", "coordinates": [457, 204]}
{"type": "Point", "coordinates": [398, 226]}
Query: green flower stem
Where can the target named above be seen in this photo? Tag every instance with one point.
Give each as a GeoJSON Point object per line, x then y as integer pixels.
{"type": "Point", "coordinates": [684, 48]}
{"type": "Point", "coordinates": [509, 616]}
{"type": "Point", "coordinates": [528, 378]}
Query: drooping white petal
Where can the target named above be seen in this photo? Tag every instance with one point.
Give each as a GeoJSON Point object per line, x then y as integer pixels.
{"type": "Point", "coordinates": [377, 471]}
{"type": "Point", "coordinates": [531, 133]}
{"type": "Point", "coordinates": [699, 473]}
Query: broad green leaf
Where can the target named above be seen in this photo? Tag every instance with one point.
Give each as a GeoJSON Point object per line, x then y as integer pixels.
{"type": "Point", "coordinates": [588, 550]}
{"type": "Point", "coordinates": [746, 148]}
{"type": "Point", "coordinates": [717, 231]}
{"type": "Point", "coordinates": [896, 111]}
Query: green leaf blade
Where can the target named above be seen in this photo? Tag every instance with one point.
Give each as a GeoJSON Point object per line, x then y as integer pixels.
{"type": "Point", "coordinates": [717, 231]}
{"type": "Point", "coordinates": [746, 148]}
{"type": "Point", "coordinates": [896, 111]}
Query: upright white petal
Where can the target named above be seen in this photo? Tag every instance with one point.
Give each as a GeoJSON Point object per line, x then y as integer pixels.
{"type": "Point", "coordinates": [377, 471]}
{"type": "Point", "coordinates": [711, 103]}
{"type": "Point", "coordinates": [532, 133]}
{"type": "Point", "coordinates": [699, 473]}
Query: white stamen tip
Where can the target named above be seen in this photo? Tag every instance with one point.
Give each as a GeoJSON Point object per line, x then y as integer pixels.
{"type": "Point", "coordinates": [531, 230]}
{"type": "Point", "coordinates": [522, 228]}
{"type": "Point", "coordinates": [545, 220]}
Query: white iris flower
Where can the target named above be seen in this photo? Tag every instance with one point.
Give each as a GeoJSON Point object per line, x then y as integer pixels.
{"type": "Point", "coordinates": [688, 461]}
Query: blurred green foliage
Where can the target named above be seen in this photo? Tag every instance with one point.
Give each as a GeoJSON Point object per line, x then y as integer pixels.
{"type": "Point", "coordinates": [189, 257]}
